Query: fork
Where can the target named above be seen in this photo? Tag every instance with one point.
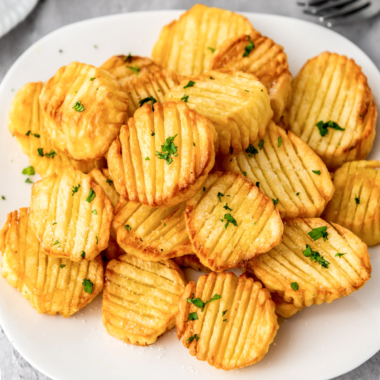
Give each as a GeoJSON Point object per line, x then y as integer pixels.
{"type": "Point", "coordinates": [336, 12]}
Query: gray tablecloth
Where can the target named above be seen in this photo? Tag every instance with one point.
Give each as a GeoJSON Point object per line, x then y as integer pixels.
{"type": "Point", "coordinates": [52, 14]}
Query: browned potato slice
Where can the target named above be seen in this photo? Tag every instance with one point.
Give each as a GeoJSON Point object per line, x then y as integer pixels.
{"type": "Point", "coordinates": [191, 261]}
{"type": "Point", "coordinates": [332, 91]}
{"type": "Point", "coordinates": [355, 204]}
{"type": "Point", "coordinates": [140, 299]}
{"type": "Point", "coordinates": [262, 57]}
{"type": "Point", "coordinates": [113, 251]}
{"type": "Point", "coordinates": [84, 108]}
{"type": "Point", "coordinates": [236, 326]}
{"type": "Point", "coordinates": [51, 285]}
{"type": "Point", "coordinates": [237, 104]}
{"type": "Point", "coordinates": [70, 215]}
{"type": "Point", "coordinates": [26, 123]}
{"type": "Point", "coordinates": [287, 171]}
{"type": "Point", "coordinates": [186, 46]}
{"type": "Point", "coordinates": [315, 263]}
{"type": "Point", "coordinates": [103, 179]}
{"type": "Point", "coordinates": [230, 222]}
{"type": "Point", "coordinates": [162, 158]}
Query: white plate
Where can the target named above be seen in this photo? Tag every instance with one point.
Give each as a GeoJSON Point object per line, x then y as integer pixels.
{"type": "Point", "coordinates": [319, 343]}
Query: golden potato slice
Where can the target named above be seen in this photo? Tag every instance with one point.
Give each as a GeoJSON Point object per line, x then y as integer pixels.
{"type": "Point", "coordinates": [315, 263]}
{"type": "Point", "coordinates": [113, 251]}
{"type": "Point", "coordinates": [331, 93]}
{"type": "Point", "coordinates": [70, 215]}
{"type": "Point", "coordinates": [191, 261]}
{"type": "Point", "coordinates": [355, 204]}
{"type": "Point", "coordinates": [26, 123]}
{"type": "Point", "coordinates": [102, 178]}
{"type": "Point", "coordinates": [51, 285]}
{"type": "Point", "coordinates": [84, 108]}
{"type": "Point", "coordinates": [230, 222]}
{"type": "Point", "coordinates": [162, 158]}
{"type": "Point", "coordinates": [186, 46]}
{"type": "Point", "coordinates": [262, 57]}
{"type": "Point", "coordinates": [140, 298]}
{"type": "Point", "coordinates": [227, 320]}
{"type": "Point", "coordinates": [287, 171]}
{"type": "Point", "coordinates": [237, 104]}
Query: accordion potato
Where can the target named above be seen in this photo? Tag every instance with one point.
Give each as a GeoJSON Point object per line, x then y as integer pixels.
{"type": "Point", "coordinates": [51, 285]}
{"type": "Point", "coordinates": [84, 108]}
{"type": "Point", "coordinates": [236, 103]}
{"type": "Point", "coordinates": [152, 233]}
{"type": "Point", "coordinates": [356, 201]}
{"type": "Point", "coordinates": [262, 57]}
{"type": "Point", "coordinates": [316, 262]}
{"type": "Point", "coordinates": [230, 222]}
{"type": "Point", "coordinates": [333, 110]}
{"type": "Point", "coordinates": [70, 215]}
{"type": "Point", "coordinates": [27, 123]}
{"type": "Point", "coordinates": [102, 178]}
{"type": "Point", "coordinates": [191, 261]}
{"type": "Point", "coordinates": [162, 157]}
{"type": "Point", "coordinates": [227, 320]}
{"type": "Point", "coordinates": [140, 299]}
{"type": "Point", "coordinates": [186, 46]}
{"type": "Point", "coordinates": [287, 171]}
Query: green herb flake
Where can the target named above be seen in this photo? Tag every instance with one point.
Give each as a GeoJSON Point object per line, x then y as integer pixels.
{"type": "Point", "coordinates": [357, 200]}
{"type": "Point", "coordinates": [94, 212]}
{"type": "Point", "coordinates": [316, 256]}
{"type": "Point", "coordinates": [244, 174]}
{"type": "Point", "coordinates": [28, 133]}
{"type": "Point", "coordinates": [148, 99]}
{"type": "Point", "coordinates": [91, 196]}
{"type": "Point", "coordinates": [225, 320]}
{"type": "Point", "coordinates": [258, 184]}
{"type": "Point", "coordinates": [51, 154]}
{"type": "Point", "coordinates": [78, 106]}
{"type": "Point", "coordinates": [279, 141]}
{"type": "Point", "coordinates": [340, 254]}
{"type": "Point", "coordinates": [109, 182]}
{"type": "Point", "coordinates": [226, 207]}
{"type": "Point", "coordinates": [275, 201]}
{"type": "Point", "coordinates": [192, 317]}
{"type": "Point", "coordinates": [249, 47]}
{"type": "Point", "coordinates": [91, 79]}
{"type": "Point", "coordinates": [88, 285]}
{"type": "Point", "coordinates": [152, 134]}
{"type": "Point", "coordinates": [230, 219]}
{"type": "Point", "coordinates": [211, 49]}
{"type": "Point", "coordinates": [317, 172]}
{"type": "Point", "coordinates": [294, 286]}
{"type": "Point", "coordinates": [212, 78]}
{"type": "Point", "coordinates": [128, 58]}
{"type": "Point", "coordinates": [96, 238]}
{"type": "Point", "coordinates": [3, 198]}
{"type": "Point", "coordinates": [185, 98]}
{"type": "Point", "coordinates": [298, 194]}
{"type": "Point", "coordinates": [62, 266]}
{"type": "Point", "coordinates": [319, 232]}
{"type": "Point", "coordinates": [261, 144]}
{"type": "Point", "coordinates": [36, 135]}
{"type": "Point", "coordinates": [28, 180]}
{"type": "Point", "coordinates": [168, 149]}
{"type": "Point", "coordinates": [147, 159]}
{"type": "Point", "coordinates": [204, 189]}
{"type": "Point", "coordinates": [251, 150]}
{"type": "Point", "coordinates": [135, 69]}
{"type": "Point", "coordinates": [190, 84]}
{"type": "Point", "coordinates": [75, 189]}
{"type": "Point", "coordinates": [219, 196]}
{"type": "Point", "coordinates": [56, 242]}
{"type": "Point", "coordinates": [55, 223]}
{"type": "Point", "coordinates": [195, 336]}
{"type": "Point", "coordinates": [40, 152]}
{"type": "Point", "coordinates": [224, 312]}
{"type": "Point", "coordinates": [29, 171]}
{"type": "Point", "coordinates": [128, 227]}
{"type": "Point", "coordinates": [83, 254]}
{"type": "Point", "coordinates": [200, 304]}
{"type": "Point", "coordinates": [323, 131]}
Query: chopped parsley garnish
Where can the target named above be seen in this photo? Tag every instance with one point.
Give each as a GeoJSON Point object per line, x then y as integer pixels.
{"type": "Point", "coordinates": [316, 256]}
{"type": "Point", "coordinates": [211, 49]}
{"type": "Point", "coordinates": [96, 240]}
{"type": "Point", "coordinates": [54, 223]}
{"type": "Point", "coordinates": [294, 286]}
{"type": "Point", "coordinates": [91, 79]}
{"type": "Point", "coordinates": [357, 200]}
{"type": "Point", "coordinates": [212, 78]}
{"type": "Point", "coordinates": [28, 133]}
{"type": "Point", "coordinates": [275, 201]}
{"type": "Point", "coordinates": [226, 207]}
{"type": "Point", "coordinates": [279, 141]}
{"type": "Point", "coordinates": [249, 47]}
{"type": "Point", "coordinates": [224, 312]}
{"type": "Point", "coordinates": [83, 254]}
{"type": "Point", "coordinates": [36, 135]}
{"type": "Point", "coordinates": [128, 58]}
{"type": "Point", "coordinates": [91, 196]}
{"type": "Point", "coordinates": [246, 90]}
{"type": "Point", "coordinates": [56, 242]}
{"type": "Point", "coordinates": [319, 232]}
{"type": "Point", "coordinates": [29, 171]}
{"type": "Point", "coordinates": [204, 189]}
{"type": "Point", "coordinates": [62, 266]}
{"type": "Point", "coordinates": [199, 303]}
{"type": "Point", "coordinates": [195, 336]}
{"type": "Point", "coordinates": [75, 189]}
{"type": "Point", "coordinates": [298, 194]}
{"type": "Point", "coordinates": [128, 227]}
{"type": "Point", "coordinates": [230, 219]}
{"type": "Point", "coordinates": [317, 172]}
{"type": "Point", "coordinates": [51, 154]}
{"type": "Point", "coordinates": [190, 84]}
{"type": "Point", "coordinates": [185, 98]}
{"type": "Point", "coordinates": [78, 106]}
{"type": "Point", "coordinates": [94, 212]}
{"type": "Point", "coordinates": [168, 149]}
{"type": "Point", "coordinates": [146, 100]}
{"type": "Point", "coordinates": [339, 254]}
{"type": "Point", "coordinates": [109, 182]}
{"type": "Point", "coordinates": [251, 150]}
{"type": "Point", "coordinates": [147, 159]}
{"type": "Point", "coordinates": [244, 174]}
{"type": "Point", "coordinates": [225, 320]}
{"type": "Point", "coordinates": [135, 69]}
{"type": "Point", "coordinates": [330, 124]}
{"type": "Point", "coordinates": [261, 144]}
{"type": "Point", "coordinates": [40, 152]}
{"type": "Point", "coordinates": [88, 285]}
{"type": "Point", "coordinates": [220, 195]}
{"type": "Point", "coordinates": [28, 180]}
{"type": "Point", "coordinates": [192, 317]}
{"type": "Point", "coordinates": [258, 184]}
{"type": "Point", "coordinates": [152, 134]}
{"type": "Point", "coordinates": [193, 143]}
{"type": "Point", "coordinates": [3, 198]}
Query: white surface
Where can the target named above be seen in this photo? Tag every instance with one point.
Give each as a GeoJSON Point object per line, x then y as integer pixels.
{"type": "Point", "coordinates": [319, 343]}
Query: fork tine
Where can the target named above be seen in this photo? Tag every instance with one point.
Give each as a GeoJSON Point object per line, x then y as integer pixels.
{"type": "Point", "coordinates": [329, 5]}
{"type": "Point", "coordinates": [348, 10]}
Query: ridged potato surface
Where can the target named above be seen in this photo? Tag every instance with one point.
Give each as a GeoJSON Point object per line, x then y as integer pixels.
{"type": "Point", "coordinates": [287, 171]}
{"type": "Point", "coordinates": [103, 179]}
{"type": "Point", "coordinates": [332, 88]}
{"type": "Point", "coordinates": [71, 215]}
{"type": "Point", "coordinates": [191, 261]}
{"type": "Point", "coordinates": [162, 157]}
{"type": "Point", "coordinates": [140, 299]}
{"type": "Point", "coordinates": [262, 57]}
{"type": "Point", "coordinates": [230, 222]}
{"type": "Point", "coordinates": [51, 285]}
{"type": "Point", "coordinates": [84, 108]}
{"type": "Point", "coordinates": [236, 326]}
{"type": "Point", "coordinates": [186, 46]}
{"type": "Point", "coordinates": [236, 103]}
{"type": "Point", "coordinates": [356, 202]}
{"type": "Point", "coordinates": [304, 270]}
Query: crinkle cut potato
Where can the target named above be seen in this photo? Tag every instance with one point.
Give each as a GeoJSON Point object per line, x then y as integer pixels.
{"type": "Point", "coordinates": [27, 123]}
{"type": "Point", "coordinates": [140, 298]}
{"type": "Point", "coordinates": [186, 46]}
{"type": "Point", "coordinates": [51, 285]}
{"type": "Point", "coordinates": [152, 233]}
{"type": "Point", "coordinates": [230, 222]}
{"type": "Point", "coordinates": [104, 180]}
{"type": "Point", "coordinates": [236, 103]}
{"type": "Point", "coordinates": [71, 215]}
{"type": "Point", "coordinates": [84, 108]}
{"type": "Point", "coordinates": [191, 261]}
{"type": "Point", "coordinates": [316, 262]}
{"type": "Point", "coordinates": [356, 201]}
{"type": "Point", "coordinates": [262, 57]}
{"type": "Point", "coordinates": [332, 91]}
{"type": "Point", "coordinates": [227, 320]}
{"type": "Point", "coordinates": [162, 157]}
{"type": "Point", "coordinates": [287, 171]}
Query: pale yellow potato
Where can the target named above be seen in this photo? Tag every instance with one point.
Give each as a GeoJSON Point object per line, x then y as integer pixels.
{"type": "Point", "coordinates": [84, 108]}
{"type": "Point", "coordinates": [103, 179]}
{"type": "Point", "coordinates": [186, 46]}
{"type": "Point", "coordinates": [71, 215]}
{"type": "Point", "coordinates": [233, 331]}
{"type": "Point", "coordinates": [323, 280]}
{"type": "Point", "coordinates": [136, 159]}
{"type": "Point", "coordinates": [236, 103]}
{"type": "Point", "coordinates": [262, 57]}
{"type": "Point", "coordinates": [356, 202]}
{"type": "Point", "coordinates": [191, 261]}
{"type": "Point", "coordinates": [230, 222]}
{"type": "Point", "coordinates": [287, 173]}
{"type": "Point", "coordinates": [26, 122]}
{"type": "Point", "coordinates": [140, 298]}
{"type": "Point", "coordinates": [331, 87]}
{"type": "Point", "coordinates": [51, 285]}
